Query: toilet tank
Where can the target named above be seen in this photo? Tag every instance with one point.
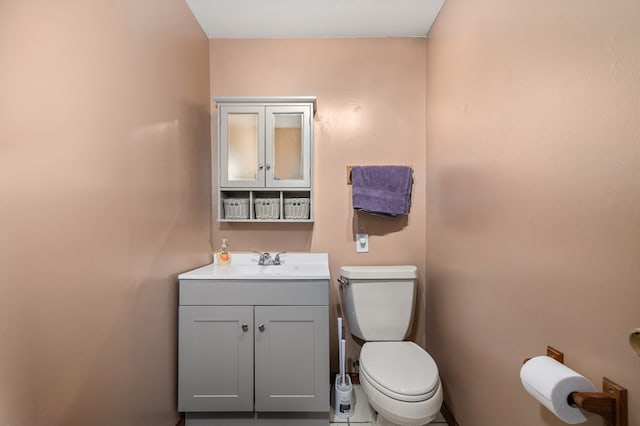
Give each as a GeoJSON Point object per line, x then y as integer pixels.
{"type": "Point", "coordinates": [378, 300]}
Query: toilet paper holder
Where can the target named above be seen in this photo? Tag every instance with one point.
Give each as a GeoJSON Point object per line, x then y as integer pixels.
{"type": "Point", "coordinates": [611, 404]}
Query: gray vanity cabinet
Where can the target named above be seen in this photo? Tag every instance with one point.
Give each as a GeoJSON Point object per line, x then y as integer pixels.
{"type": "Point", "coordinates": [216, 358]}
{"type": "Point", "coordinates": [253, 346]}
{"type": "Point", "coordinates": [290, 357]}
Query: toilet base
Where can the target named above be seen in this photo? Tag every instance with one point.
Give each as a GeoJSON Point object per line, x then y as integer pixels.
{"type": "Point", "coordinates": [402, 413]}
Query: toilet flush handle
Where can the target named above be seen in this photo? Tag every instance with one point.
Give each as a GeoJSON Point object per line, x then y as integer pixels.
{"type": "Point", "coordinates": [343, 281]}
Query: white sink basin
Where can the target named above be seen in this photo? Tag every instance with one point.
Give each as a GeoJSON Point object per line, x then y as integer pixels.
{"type": "Point", "coordinates": [245, 266]}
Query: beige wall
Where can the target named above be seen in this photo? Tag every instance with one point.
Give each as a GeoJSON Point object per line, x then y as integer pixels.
{"type": "Point", "coordinates": [370, 110]}
{"type": "Point", "coordinates": [533, 199]}
{"type": "Point", "coordinates": [525, 197]}
{"type": "Point", "coordinates": [104, 184]}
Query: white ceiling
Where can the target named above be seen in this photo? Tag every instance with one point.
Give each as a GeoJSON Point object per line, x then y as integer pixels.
{"type": "Point", "coordinates": [315, 18]}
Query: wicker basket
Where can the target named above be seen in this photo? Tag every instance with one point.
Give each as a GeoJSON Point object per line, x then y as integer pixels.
{"type": "Point", "coordinates": [296, 208]}
{"type": "Point", "coordinates": [236, 208]}
{"type": "Point", "coordinates": [267, 208]}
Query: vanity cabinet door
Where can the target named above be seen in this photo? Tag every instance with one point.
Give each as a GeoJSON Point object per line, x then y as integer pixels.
{"type": "Point", "coordinates": [291, 358]}
{"type": "Point", "coordinates": [215, 358]}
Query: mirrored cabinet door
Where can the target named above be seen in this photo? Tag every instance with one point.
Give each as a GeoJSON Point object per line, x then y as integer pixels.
{"type": "Point", "coordinates": [242, 161]}
{"type": "Point", "coordinates": [287, 155]}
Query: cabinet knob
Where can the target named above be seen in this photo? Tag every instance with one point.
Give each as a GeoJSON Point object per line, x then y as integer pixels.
{"type": "Point", "coordinates": [261, 166]}
{"type": "Point", "coordinates": [245, 327]}
{"type": "Point", "coordinates": [261, 327]}
{"type": "Point", "coordinates": [268, 166]}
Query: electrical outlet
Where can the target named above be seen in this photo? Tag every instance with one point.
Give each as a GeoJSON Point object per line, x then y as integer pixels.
{"type": "Point", "coordinates": [362, 243]}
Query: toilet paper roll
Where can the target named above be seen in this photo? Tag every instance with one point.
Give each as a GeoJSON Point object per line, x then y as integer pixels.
{"type": "Point", "coordinates": [551, 382]}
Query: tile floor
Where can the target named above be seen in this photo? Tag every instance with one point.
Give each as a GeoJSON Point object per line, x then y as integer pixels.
{"type": "Point", "coordinates": [364, 414]}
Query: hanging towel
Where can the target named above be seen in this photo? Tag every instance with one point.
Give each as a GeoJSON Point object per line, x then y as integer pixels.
{"type": "Point", "coordinates": [382, 190]}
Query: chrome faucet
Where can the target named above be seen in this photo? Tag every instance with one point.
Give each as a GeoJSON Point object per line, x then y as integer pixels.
{"type": "Point", "coordinates": [276, 259]}
{"type": "Point", "coordinates": [266, 259]}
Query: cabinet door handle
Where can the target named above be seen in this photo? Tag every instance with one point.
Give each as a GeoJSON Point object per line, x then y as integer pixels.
{"type": "Point", "coordinates": [261, 327]}
{"type": "Point", "coordinates": [245, 327]}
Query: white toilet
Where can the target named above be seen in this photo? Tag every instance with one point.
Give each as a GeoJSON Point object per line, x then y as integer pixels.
{"type": "Point", "coordinates": [400, 378]}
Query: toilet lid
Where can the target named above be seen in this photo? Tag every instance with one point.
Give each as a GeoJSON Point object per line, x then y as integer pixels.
{"type": "Point", "coordinates": [400, 370]}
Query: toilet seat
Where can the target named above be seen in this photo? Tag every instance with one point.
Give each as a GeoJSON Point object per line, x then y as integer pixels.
{"type": "Point", "coordinates": [400, 370]}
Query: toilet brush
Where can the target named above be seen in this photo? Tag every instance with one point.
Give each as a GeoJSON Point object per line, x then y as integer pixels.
{"type": "Point", "coordinates": [343, 403]}
{"type": "Point", "coordinates": [342, 348]}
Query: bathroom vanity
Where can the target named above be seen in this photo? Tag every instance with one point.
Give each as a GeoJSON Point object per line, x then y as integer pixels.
{"type": "Point", "coordinates": [254, 342]}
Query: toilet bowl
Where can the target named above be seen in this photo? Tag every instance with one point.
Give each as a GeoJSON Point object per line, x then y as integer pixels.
{"type": "Point", "coordinates": [399, 378]}
{"type": "Point", "coordinates": [401, 382]}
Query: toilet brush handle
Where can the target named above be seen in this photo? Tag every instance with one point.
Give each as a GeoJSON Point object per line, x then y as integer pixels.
{"type": "Point", "coordinates": [342, 359]}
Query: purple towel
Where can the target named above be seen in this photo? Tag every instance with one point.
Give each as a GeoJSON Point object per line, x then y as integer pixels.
{"type": "Point", "coordinates": [382, 190]}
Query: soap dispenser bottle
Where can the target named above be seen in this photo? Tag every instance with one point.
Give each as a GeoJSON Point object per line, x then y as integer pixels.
{"type": "Point", "coordinates": [223, 256]}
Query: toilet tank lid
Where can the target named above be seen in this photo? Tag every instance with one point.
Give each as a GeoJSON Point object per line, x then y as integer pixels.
{"type": "Point", "coordinates": [379, 272]}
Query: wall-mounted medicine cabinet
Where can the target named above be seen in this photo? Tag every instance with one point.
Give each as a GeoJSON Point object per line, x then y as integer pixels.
{"type": "Point", "coordinates": [265, 146]}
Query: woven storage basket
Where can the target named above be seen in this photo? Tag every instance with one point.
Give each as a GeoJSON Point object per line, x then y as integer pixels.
{"type": "Point", "coordinates": [236, 208]}
{"type": "Point", "coordinates": [296, 208]}
{"type": "Point", "coordinates": [267, 208]}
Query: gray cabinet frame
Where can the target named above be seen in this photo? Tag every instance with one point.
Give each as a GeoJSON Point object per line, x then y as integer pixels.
{"type": "Point", "coordinates": [254, 352]}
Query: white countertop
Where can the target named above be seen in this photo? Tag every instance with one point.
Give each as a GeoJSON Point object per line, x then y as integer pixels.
{"type": "Point", "coordinates": [244, 266]}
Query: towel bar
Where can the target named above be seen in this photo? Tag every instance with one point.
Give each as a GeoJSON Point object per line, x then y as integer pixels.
{"type": "Point", "coordinates": [349, 168]}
